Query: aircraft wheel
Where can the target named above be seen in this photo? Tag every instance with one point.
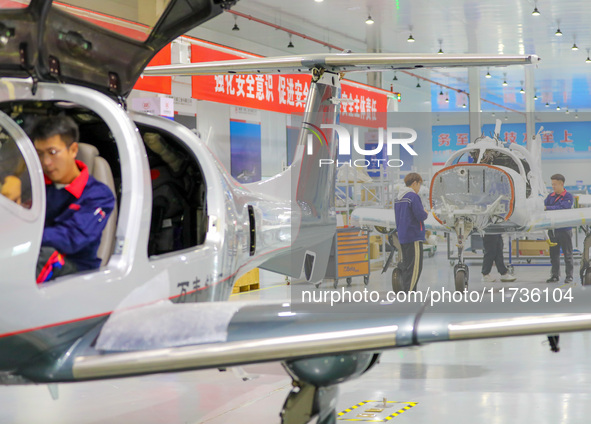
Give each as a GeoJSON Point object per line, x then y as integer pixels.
{"type": "Point", "coordinates": [461, 280]}
{"type": "Point", "coordinates": [349, 281]}
{"type": "Point", "coordinates": [396, 280]}
{"type": "Point", "coordinates": [366, 279]}
{"type": "Point", "coordinates": [587, 278]}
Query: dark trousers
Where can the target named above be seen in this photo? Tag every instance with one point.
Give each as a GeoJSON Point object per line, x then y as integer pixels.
{"type": "Point", "coordinates": [412, 264]}
{"type": "Point", "coordinates": [564, 240]}
{"type": "Point", "coordinates": [493, 253]}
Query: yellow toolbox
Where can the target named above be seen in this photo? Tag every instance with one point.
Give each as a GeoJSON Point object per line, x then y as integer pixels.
{"type": "Point", "coordinates": [349, 256]}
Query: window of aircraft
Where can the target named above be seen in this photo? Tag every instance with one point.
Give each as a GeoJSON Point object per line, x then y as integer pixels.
{"type": "Point", "coordinates": [97, 149]}
{"type": "Point", "coordinates": [466, 157]}
{"type": "Point", "coordinates": [179, 213]}
{"type": "Point", "coordinates": [15, 182]}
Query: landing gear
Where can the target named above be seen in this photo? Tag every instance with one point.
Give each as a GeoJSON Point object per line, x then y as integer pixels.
{"type": "Point", "coordinates": [585, 263]}
{"type": "Point", "coordinates": [463, 228]}
{"type": "Point", "coordinates": [315, 385]}
{"type": "Point", "coordinates": [397, 280]}
{"type": "Point", "coordinates": [461, 277]}
{"type": "Point", "coordinates": [395, 248]}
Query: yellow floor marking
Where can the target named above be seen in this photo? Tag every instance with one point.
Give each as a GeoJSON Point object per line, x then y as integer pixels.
{"type": "Point", "coordinates": [372, 420]}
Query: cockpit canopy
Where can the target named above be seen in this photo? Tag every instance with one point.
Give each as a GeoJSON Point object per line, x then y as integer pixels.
{"type": "Point", "coordinates": [491, 156]}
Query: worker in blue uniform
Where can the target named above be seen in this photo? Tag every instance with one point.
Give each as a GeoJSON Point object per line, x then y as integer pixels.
{"type": "Point", "coordinates": [77, 205]}
{"type": "Point", "coordinates": [561, 238]}
{"type": "Point", "coordinates": [410, 216]}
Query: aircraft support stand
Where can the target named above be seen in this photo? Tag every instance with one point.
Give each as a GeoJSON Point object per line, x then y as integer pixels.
{"type": "Point", "coordinates": [461, 270]}
{"type": "Point", "coordinates": [585, 271]}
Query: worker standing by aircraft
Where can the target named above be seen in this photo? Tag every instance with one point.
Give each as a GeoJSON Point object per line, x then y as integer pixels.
{"type": "Point", "coordinates": [561, 237]}
{"type": "Point", "coordinates": [78, 206]}
{"type": "Point", "coordinates": [493, 253]}
{"type": "Point", "coordinates": [410, 217]}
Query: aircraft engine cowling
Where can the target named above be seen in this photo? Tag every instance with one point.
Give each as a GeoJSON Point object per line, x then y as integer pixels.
{"type": "Point", "coordinates": [485, 193]}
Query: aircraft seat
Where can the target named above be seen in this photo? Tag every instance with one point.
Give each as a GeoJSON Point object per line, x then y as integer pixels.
{"type": "Point", "coordinates": [99, 168]}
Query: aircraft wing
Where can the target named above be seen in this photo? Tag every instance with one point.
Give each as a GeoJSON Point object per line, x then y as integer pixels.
{"type": "Point", "coordinates": [548, 220]}
{"type": "Point", "coordinates": [339, 62]}
{"type": "Point", "coordinates": [165, 337]}
{"type": "Point", "coordinates": [384, 217]}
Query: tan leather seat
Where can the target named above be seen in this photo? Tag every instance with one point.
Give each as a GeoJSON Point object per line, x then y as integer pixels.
{"type": "Point", "coordinates": [99, 168]}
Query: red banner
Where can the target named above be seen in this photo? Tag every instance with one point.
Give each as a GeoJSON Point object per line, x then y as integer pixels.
{"type": "Point", "coordinates": [157, 84]}
{"type": "Point", "coordinates": [281, 93]}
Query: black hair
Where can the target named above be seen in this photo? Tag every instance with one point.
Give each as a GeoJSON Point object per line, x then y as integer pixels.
{"type": "Point", "coordinates": [558, 177]}
{"type": "Point", "coordinates": [61, 125]}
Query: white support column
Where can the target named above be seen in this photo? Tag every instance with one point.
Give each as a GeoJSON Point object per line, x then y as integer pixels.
{"type": "Point", "coordinates": [474, 89]}
{"type": "Point", "coordinates": [530, 105]}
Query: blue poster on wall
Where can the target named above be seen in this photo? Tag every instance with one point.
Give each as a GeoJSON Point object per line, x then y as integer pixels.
{"type": "Point", "coordinates": [245, 147]}
{"type": "Point", "coordinates": [293, 134]}
{"type": "Point", "coordinates": [375, 161]}
{"type": "Point", "coordinates": [560, 140]}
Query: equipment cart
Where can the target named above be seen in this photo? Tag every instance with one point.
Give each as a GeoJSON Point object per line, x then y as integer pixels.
{"type": "Point", "coordinates": [349, 256]}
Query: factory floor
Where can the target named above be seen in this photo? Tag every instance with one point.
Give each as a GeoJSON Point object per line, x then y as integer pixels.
{"type": "Point", "coordinates": [511, 380]}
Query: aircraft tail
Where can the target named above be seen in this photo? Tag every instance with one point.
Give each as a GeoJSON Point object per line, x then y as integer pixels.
{"type": "Point", "coordinates": [312, 182]}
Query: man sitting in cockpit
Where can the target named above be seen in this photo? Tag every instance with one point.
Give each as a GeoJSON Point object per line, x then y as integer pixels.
{"type": "Point", "coordinates": [78, 206]}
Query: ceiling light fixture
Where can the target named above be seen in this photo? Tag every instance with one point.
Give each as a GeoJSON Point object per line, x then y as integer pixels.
{"type": "Point", "coordinates": [536, 12]}
{"type": "Point", "coordinates": [440, 51]}
{"type": "Point", "coordinates": [318, 1]}
{"type": "Point", "coordinates": [395, 77]}
{"type": "Point", "coordinates": [521, 90]}
{"type": "Point", "coordinates": [488, 75]}
{"type": "Point", "coordinates": [558, 33]}
{"type": "Point", "coordinates": [588, 60]}
{"type": "Point", "coordinates": [505, 79]}
{"type": "Point", "coordinates": [440, 46]}
{"type": "Point", "coordinates": [464, 105]}
{"type": "Point", "coordinates": [369, 20]}
{"type": "Point", "coordinates": [290, 45]}
{"type": "Point", "coordinates": [574, 47]}
{"type": "Point", "coordinates": [235, 27]}
{"type": "Point", "coordinates": [418, 83]}
{"type": "Point", "coordinates": [441, 92]}
{"type": "Point", "coordinates": [557, 107]}
{"type": "Point", "coordinates": [547, 104]}
{"type": "Point", "coordinates": [535, 97]}
{"type": "Point", "coordinates": [410, 39]}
